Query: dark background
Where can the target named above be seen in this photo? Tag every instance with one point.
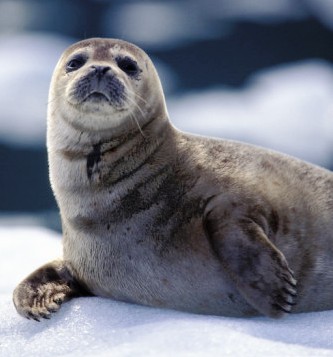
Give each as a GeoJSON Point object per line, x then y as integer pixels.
{"type": "Point", "coordinates": [204, 43]}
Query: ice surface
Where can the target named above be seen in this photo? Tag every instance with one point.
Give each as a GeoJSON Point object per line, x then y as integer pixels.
{"type": "Point", "coordinates": [102, 327]}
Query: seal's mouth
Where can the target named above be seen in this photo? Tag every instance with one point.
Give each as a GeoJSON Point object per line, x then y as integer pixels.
{"type": "Point", "coordinates": [99, 86]}
{"type": "Point", "coordinates": [94, 88]}
{"type": "Point", "coordinates": [97, 97]}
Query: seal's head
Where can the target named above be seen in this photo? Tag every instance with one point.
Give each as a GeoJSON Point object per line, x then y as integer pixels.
{"type": "Point", "coordinates": [101, 84]}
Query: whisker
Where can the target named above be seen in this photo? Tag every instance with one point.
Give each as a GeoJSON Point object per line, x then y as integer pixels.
{"type": "Point", "coordinates": [137, 96]}
{"type": "Point", "coordinates": [138, 125]}
{"type": "Point", "coordinates": [129, 98]}
{"type": "Point", "coordinates": [133, 116]}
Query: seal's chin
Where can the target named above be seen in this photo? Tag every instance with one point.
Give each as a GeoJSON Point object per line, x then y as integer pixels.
{"type": "Point", "coordinates": [97, 112]}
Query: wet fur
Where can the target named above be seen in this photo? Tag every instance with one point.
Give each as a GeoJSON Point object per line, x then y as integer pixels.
{"type": "Point", "coordinates": [163, 218]}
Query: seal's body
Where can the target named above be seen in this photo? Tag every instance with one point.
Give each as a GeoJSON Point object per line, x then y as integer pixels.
{"type": "Point", "coordinates": [155, 216]}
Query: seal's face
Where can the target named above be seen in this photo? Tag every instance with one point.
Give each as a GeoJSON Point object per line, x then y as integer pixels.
{"type": "Point", "coordinates": [103, 84]}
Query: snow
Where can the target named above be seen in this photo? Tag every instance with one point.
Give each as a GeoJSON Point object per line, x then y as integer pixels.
{"type": "Point", "coordinates": [288, 109]}
{"type": "Point", "coordinates": [29, 80]}
{"type": "Point", "coordinates": [95, 326]}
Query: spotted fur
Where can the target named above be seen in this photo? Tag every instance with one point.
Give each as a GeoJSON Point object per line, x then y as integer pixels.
{"type": "Point", "coordinates": [158, 217]}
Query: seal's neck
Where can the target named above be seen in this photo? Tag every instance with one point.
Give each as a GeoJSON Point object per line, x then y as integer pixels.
{"type": "Point", "coordinates": [109, 157]}
{"type": "Point", "coordinates": [138, 153]}
{"type": "Point", "coordinates": [73, 141]}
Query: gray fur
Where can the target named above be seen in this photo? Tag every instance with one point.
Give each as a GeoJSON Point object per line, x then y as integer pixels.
{"type": "Point", "coordinates": [158, 217]}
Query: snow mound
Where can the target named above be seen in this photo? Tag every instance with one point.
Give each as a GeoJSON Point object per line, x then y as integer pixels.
{"type": "Point", "coordinates": [288, 108]}
{"type": "Point", "coordinates": [28, 80]}
{"type": "Point", "coordinates": [97, 326]}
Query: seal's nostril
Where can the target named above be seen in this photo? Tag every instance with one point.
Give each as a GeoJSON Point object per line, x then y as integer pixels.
{"type": "Point", "coordinates": [100, 70]}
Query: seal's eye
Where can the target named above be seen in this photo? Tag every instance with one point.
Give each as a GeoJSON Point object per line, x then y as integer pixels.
{"type": "Point", "coordinates": [75, 63]}
{"type": "Point", "coordinates": [127, 65]}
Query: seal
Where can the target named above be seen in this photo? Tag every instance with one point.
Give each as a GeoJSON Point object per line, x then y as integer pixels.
{"type": "Point", "coordinates": [155, 216]}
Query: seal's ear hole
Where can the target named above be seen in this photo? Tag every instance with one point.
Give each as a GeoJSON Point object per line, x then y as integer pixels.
{"type": "Point", "coordinates": [75, 63]}
{"type": "Point", "coordinates": [127, 65]}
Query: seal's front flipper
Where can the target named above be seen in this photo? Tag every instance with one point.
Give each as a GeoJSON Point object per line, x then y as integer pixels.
{"type": "Point", "coordinates": [43, 291]}
{"type": "Point", "coordinates": [259, 270]}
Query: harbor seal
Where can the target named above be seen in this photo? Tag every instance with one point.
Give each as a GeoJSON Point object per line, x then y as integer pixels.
{"type": "Point", "coordinates": [158, 217]}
